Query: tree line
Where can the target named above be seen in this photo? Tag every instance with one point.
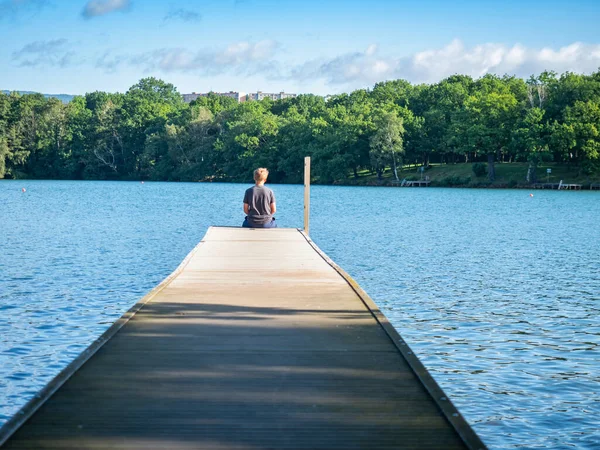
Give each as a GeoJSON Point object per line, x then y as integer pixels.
{"type": "Point", "coordinates": [149, 133]}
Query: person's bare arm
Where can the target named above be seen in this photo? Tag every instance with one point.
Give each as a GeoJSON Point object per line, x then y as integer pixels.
{"type": "Point", "coordinates": [246, 207]}
{"type": "Point", "coordinates": [273, 208]}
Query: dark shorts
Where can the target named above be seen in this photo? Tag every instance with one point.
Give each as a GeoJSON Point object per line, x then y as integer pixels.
{"type": "Point", "coordinates": [271, 224]}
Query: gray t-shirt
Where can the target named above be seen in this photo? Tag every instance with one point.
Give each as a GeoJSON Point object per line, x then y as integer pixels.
{"type": "Point", "coordinates": [259, 199]}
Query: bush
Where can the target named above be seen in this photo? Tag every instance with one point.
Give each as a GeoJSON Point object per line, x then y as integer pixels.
{"type": "Point", "coordinates": [479, 169]}
{"type": "Point", "coordinates": [455, 181]}
{"type": "Point", "coordinates": [480, 184]}
{"type": "Point", "coordinates": [590, 167]}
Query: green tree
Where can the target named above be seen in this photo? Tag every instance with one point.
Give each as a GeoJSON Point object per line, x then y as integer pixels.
{"type": "Point", "coordinates": [247, 140]}
{"type": "Point", "coordinates": [78, 118]}
{"type": "Point", "coordinates": [386, 143]}
{"type": "Point", "coordinates": [105, 152]}
{"type": "Point", "coordinates": [4, 151]}
{"type": "Point", "coordinates": [149, 132]}
{"type": "Point", "coordinates": [582, 122]}
{"type": "Point", "coordinates": [214, 103]}
{"type": "Point", "coordinates": [487, 121]}
{"type": "Point", "coordinates": [532, 141]}
{"type": "Point", "coordinates": [4, 116]}
{"type": "Point", "coordinates": [294, 141]}
{"type": "Point", "coordinates": [147, 107]}
{"type": "Point", "coordinates": [439, 104]}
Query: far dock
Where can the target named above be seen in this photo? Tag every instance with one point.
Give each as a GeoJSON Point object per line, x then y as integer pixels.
{"type": "Point", "coordinates": [570, 186]}
{"type": "Point", "coordinates": [258, 340]}
{"type": "Point", "coordinates": [559, 186]}
{"type": "Point", "coordinates": [545, 185]}
{"type": "Point", "coordinates": [418, 183]}
{"type": "Point", "coordinates": [413, 183]}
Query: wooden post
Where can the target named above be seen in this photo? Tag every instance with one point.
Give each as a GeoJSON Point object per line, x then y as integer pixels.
{"type": "Point", "coordinates": [306, 194]}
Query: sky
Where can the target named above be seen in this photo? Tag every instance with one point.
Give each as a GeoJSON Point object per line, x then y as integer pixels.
{"type": "Point", "coordinates": [310, 46]}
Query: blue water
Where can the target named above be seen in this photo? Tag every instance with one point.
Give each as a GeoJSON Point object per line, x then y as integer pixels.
{"type": "Point", "coordinates": [498, 292]}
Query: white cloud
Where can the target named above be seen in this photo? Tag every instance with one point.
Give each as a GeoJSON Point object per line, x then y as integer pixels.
{"type": "Point", "coordinates": [364, 68]}
{"type": "Point", "coordinates": [110, 63]}
{"type": "Point", "coordinates": [359, 69]}
{"type": "Point", "coordinates": [371, 50]}
{"type": "Point", "coordinates": [95, 8]}
{"type": "Point", "coordinates": [54, 53]}
{"type": "Point", "coordinates": [185, 15]}
{"type": "Point", "coordinates": [240, 58]}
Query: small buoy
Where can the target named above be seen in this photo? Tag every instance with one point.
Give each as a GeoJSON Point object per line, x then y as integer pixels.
{"type": "Point", "coordinates": [23, 190]}
{"type": "Point", "coordinates": [142, 182]}
{"type": "Point", "coordinates": [531, 195]}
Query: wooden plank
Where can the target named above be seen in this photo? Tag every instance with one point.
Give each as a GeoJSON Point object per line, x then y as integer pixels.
{"type": "Point", "coordinates": [260, 341]}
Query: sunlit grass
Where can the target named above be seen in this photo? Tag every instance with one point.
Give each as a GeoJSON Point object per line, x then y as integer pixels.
{"type": "Point", "coordinates": [511, 174]}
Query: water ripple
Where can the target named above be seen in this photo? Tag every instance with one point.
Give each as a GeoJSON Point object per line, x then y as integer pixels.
{"type": "Point", "coordinates": [497, 292]}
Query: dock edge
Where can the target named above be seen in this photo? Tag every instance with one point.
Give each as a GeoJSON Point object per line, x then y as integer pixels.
{"type": "Point", "coordinates": [22, 415]}
{"type": "Point", "coordinates": [442, 401]}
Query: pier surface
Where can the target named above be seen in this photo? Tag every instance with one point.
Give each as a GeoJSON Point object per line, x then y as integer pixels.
{"type": "Point", "coordinates": [257, 341]}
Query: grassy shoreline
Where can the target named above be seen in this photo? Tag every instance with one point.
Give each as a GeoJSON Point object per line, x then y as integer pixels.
{"type": "Point", "coordinates": [461, 175]}
{"type": "Point", "coordinates": [508, 175]}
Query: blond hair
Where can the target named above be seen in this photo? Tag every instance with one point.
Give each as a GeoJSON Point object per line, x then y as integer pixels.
{"type": "Point", "coordinates": [261, 174]}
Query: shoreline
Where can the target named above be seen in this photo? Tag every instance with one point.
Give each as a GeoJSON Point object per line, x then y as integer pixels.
{"type": "Point", "coordinates": [383, 184]}
{"type": "Point", "coordinates": [460, 175]}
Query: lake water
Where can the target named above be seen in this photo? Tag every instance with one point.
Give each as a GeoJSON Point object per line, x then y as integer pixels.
{"type": "Point", "coordinates": [498, 292]}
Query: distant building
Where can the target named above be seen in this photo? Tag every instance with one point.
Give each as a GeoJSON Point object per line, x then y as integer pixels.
{"type": "Point", "coordinates": [240, 97]}
{"type": "Point", "coordinates": [262, 95]}
{"type": "Point", "coordinates": [188, 98]}
{"type": "Point", "coordinates": [193, 96]}
{"type": "Point", "coordinates": [231, 94]}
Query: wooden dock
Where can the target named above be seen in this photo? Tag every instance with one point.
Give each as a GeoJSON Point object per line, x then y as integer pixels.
{"type": "Point", "coordinates": [415, 183]}
{"type": "Point", "coordinates": [258, 340]}
{"type": "Point", "coordinates": [559, 186]}
{"type": "Point", "coordinates": [570, 186]}
{"type": "Point", "coordinates": [546, 186]}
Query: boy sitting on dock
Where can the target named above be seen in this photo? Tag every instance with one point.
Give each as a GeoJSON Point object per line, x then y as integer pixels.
{"type": "Point", "coordinates": [259, 203]}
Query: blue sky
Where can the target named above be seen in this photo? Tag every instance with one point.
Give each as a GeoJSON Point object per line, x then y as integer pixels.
{"type": "Point", "coordinates": [77, 46]}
